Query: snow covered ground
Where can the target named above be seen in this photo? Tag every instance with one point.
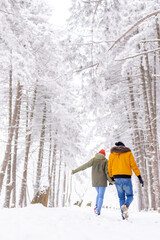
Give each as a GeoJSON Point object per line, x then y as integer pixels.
{"type": "Point", "coordinates": [36, 222]}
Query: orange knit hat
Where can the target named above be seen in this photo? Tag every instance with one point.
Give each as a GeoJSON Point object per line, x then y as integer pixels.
{"type": "Point", "coordinates": [103, 152]}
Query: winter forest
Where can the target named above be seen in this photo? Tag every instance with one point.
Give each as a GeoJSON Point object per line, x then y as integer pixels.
{"type": "Point", "coordinates": [67, 92]}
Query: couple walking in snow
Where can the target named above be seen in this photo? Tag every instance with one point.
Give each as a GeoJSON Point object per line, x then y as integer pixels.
{"type": "Point", "coordinates": [117, 170]}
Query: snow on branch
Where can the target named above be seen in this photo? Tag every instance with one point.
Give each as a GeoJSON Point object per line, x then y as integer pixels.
{"type": "Point", "coordinates": [139, 54]}
{"type": "Point", "coordinates": [150, 40]}
{"type": "Point", "coordinates": [93, 65]}
{"type": "Point", "coordinates": [6, 12]}
{"type": "Point", "coordinates": [136, 24]}
{"type": "Point", "coordinates": [89, 43]}
{"type": "Point", "coordinates": [155, 75]}
{"type": "Point", "coordinates": [92, 1]}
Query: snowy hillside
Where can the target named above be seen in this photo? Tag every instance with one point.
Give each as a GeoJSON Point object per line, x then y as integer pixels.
{"type": "Point", "coordinates": [36, 222]}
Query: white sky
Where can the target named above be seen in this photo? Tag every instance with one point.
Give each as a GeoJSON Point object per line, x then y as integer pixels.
{"type": "Point", "coordinates": [61, 11]}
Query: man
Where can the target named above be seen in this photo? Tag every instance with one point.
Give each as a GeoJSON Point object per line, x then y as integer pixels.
{"type": "Point", "coordinates": [100, 176]}
{"type": "Point", "coordinates": [120, 165]}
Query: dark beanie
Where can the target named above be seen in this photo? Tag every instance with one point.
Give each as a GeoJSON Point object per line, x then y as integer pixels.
{"type": "Point", "coordinates": [119, 144]}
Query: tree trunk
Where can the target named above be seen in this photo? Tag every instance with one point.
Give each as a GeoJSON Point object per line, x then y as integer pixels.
{"type": "Point", "coordinates": [138, 153]}
{"type": "Point", "coordinates": [49, 157]}
{"type": "Point", "coordinates": [8, 182]}
{"type": "Point", "coordinates": [158, 35]}
{"type": "Point", "coordinates": [51, 178]}
{"type": "Point", "coordinates": [41, 197]}
{"type": "Point", "coordinates": [28, 144]}
{"type": "Point", "coordinates": [67, 187]}
{"type": "Point", "coordinates": [59, 181]}
{"type": "Point", "coordinates": [10, 136]}
{"type": "Point", "coordinates": [64, 187]}
{"type": "Point", "coordinates": [148, 134]}
{"type": "Point", "coordinates": [40, 155]}
{"type": "Point", "coordinates": [155, 167]}
{"type": "Point", "coordinates": [54, 175]}
{"type": "Point", "coordinates": [69, 198]}
{"type": "Point", "coordinates": [144, 174]}
{"type": "Point", "coordinates": [15, 160]}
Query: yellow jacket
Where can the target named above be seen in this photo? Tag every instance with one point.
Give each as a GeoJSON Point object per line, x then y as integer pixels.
{"type": "Point", "coordinates": [121, 162]}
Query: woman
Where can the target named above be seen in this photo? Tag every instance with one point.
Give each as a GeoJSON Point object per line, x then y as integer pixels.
{"type": "Point", "coordinates": [100, 176]}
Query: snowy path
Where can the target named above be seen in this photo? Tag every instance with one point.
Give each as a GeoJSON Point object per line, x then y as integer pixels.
{"type": "Point", "coordinates": [38, 223]}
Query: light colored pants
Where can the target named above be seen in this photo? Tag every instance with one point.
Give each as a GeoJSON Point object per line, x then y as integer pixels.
{"type": "Point", "coordinates": [99, 198]}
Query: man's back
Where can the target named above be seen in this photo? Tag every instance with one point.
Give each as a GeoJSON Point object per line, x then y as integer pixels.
{"type": "Point", "coordinates": [121, 162]}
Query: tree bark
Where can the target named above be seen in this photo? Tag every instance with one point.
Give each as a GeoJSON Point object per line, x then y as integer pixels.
{"type": "Point", "coordinates": [22, 199]}
{"type": "Point", "coordinates": [155, 167]}
{"type": "Point", "coordinates": [41, 197]}
{"type": "Point", "coordinates": [64, 187]}
{"type": "Point", "coordinates": [8, 182]}
{"type": "Point", "coordinates": [69, 198]}
{"type": "Point", "coordinates": [138, 153]}
{"type": "Point", "coordinates": [49, 157]}
{"type": "Point", "coordinates": [15, 160]}
{"type": "Point", "coordinates": [148, 144]}
{"type": "Point", "coordinates": [59, 181]}
{"type": "Point", "coordinates": [54, 175]}
{"type": "Point", "coordinates": [144, 174]}
{"type": "Point", "coordinates": [40, 154]}
{"type": "Point", "coordinates": [10, 135]}
{"type": "Point", "coordinates": [158, 35]}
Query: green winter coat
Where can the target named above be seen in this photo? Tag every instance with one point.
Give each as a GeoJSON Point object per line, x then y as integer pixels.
{"type": "Point", "coordinates": [99, 166]}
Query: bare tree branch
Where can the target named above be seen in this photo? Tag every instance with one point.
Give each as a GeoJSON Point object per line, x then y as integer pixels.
{"type": "Point", "coordinates": [92, 1]}
{"type": "Point", "coordinates": [136, 24]}
{"type": "Point", "coordinates": [139, 54]}
{"type": "Point", "coordinates": [79, 70]}
{"type": "Point", "coordinates": [98, 3]}
{"type": "Point", "coordinates": [150, 40]}
{"type": "Point", "coordinates": [83, 44]}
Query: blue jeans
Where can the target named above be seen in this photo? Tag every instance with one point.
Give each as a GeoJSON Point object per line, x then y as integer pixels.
{"type": "Point", "coordinates": [124, 190]}
{"type": "Point", "coordinates": [99, 198]}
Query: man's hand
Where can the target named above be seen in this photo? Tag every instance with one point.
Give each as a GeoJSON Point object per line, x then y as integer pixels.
{"type": "Point", "coordinates": [141, 180]}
